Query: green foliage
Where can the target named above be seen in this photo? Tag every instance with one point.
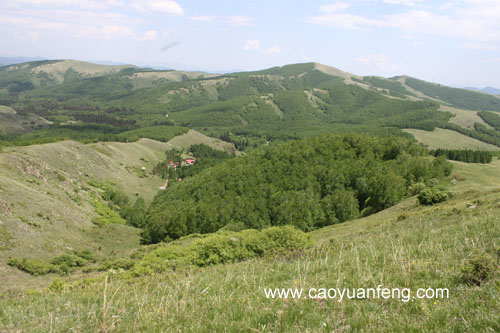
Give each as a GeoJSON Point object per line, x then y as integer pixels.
{"type": "Point", "coordinates": [481, 132]}
{"type": "Point", "coordinates": [62, 264]}
{"type": "Point", "coordinates": [85, 254]}
{"type": "Point", "coordinates": [205, 156]}
{"type": "Point", "coordinates": [70, 260]}
{"type": "Point", "coordinates": [226, 247]}
{"type": "Point", "coordinates": [490, 118]}
{"type": "Point", "coordinates": [468, 156]}
{"type": "Point", "coordinates": [477, 268]}
{"type": "Point", "coordinates": [87, 133]}
{"type": "Point", "coordinates": [57, 285]}
{"type": "Point", "coordinates": [432, 195]}
{"type": "Point", "coordinates": [457, 97]}
{"type": "Point", "coordinates": [159, 133]}
{"type": "Point", "coordinates": [32, 266]}
{"type": "Point", "coordinates": [121, 263]}
{"type": "Point", "coordinates": [135, 215]}
{"type": "Point", "coordinates": [106, 214]}
{"type": "Point", "coordinates": [416, 188]}
{"type": "Point", "coordinates": [394, 88]}
{"type": "Point", "coordinates": [308, 183]}
{"type": "Point", "coordinates": [255, 107]}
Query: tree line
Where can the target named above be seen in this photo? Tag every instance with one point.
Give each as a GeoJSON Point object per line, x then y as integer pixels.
{"type": "Point", "coordinates": [464, 155]}
{"type": "Point", "coordinates": [308, 183]}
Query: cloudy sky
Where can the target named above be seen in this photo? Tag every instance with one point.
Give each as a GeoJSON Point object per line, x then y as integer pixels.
{"type": "Point", "coordinates": [454, 42]}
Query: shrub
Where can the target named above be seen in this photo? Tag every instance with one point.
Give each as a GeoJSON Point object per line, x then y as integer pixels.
{"type": "Point", "coordinates": [433, 195]}
{"type": "Point", "coordinates": [224, 247]}
{"type": "Point", "coordinates": [477, 269]}
{"type": "Point", "coordinates": [121, 263]}
{"type": "Point", "coordinates": [85, 254]}
{"type": "Point", "coordinates": [402, 217]}
{"type": "Point", "coordinates": [32, 266]}
{"type": "Point", "coordinates": [416, 188]}
{"type": "Point", "coordinates": [286, 238]}
{"type": "Point", "coordinates": [69, 260]}
{"type": "Point", "coordinates": [164, 258]}
{"type": "Point", "coordinates": [234, 226]}
{"type": "Point", "coordinates": [57, 285]}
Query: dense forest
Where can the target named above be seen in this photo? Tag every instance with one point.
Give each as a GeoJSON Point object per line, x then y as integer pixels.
{"type": "Point", "coordinates": [308, 183]}
{"type": "Point", "coordinates": [461, 98]}
{"type": "Point", "coordinates": [464, 155]}
{"type": "Point", "coordinates": [276, 104]}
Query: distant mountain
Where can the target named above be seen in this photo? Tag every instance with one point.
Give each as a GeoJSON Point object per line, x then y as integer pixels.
{"type": "Point", "coordinates": [491, 90]}
{"type": "Point", "coordinates": [4, 61]}
{"type": "Point", "coordinates": [488, 90]}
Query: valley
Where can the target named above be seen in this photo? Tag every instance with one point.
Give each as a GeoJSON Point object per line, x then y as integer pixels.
{"type": "Point", "coordinates": [134, 199]}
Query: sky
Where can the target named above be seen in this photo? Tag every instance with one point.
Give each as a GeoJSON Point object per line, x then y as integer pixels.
{"type": "Point", "coordinates": [453, 42]}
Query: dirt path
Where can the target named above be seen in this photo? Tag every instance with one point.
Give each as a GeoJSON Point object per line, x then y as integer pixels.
{"type": "Point", "coordinates": [166, 182]}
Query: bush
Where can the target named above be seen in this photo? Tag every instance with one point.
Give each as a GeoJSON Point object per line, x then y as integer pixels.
{"type": "Point", "coordinates": [121, 263]}
{"type": "Point", "coordinates": [57, 285]}
{"type": "Point", "coordinates": [85, 254]}
{"type": "Point", "coordinates": [234, 226]}
{"type": "Point", "coordinates": [416, 188]}
{"type": "Point", "coordinates": [69, 260]}
{"type": "Point", "coordinates": [477, 269]}
{"type": "Point", "coordinates": [433, 195]}
{"type": "Point", "coordinates": [32, 266]}
{"type": "Point", "coordinates": [225, 247]}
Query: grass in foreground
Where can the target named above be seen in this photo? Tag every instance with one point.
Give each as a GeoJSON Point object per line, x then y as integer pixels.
{"type": "Point", "coordinates": [405, 246]}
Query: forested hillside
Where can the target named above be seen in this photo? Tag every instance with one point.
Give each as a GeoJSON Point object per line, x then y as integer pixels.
{"type": "Point", "coordinates": [249, 109]}
{"type": "Point", "coordinates": [89, 102]}
{"type": "Point", "coordinates": [309, 183]}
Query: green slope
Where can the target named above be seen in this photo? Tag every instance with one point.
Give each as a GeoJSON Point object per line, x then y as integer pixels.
{"type": "Point", "coordinates": [46, 195]}
{"type": "Point", "coordinates": [406, 246]}
{"type": "Point", "coordinates": [461, 98]}
{"type": "Point", "coordinates": [248, 108]}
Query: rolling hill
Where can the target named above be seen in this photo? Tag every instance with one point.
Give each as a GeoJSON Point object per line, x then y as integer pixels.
{"type": "Point", "coordinates": [247, 108]}
{"type": "Point", "coordinates": [367, 210]}
{"type": "Point", "coordinates": [48, 195]}
{"type": "Point", "coordinates": [405, 246]}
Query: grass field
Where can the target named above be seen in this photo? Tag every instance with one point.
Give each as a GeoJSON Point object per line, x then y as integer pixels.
{"type": "Point", "coordinates": [464, 118]}
{"type": "Point", "coordinates": [193, 137]}
{"type": "Point", "coordinates": [447, 139]}
{"type": "Point", "coordinates": [407, 245]}
{"type": "Point", "coordinates": [7, 110]}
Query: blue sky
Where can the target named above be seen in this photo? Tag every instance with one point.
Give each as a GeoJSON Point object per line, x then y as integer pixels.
{"type": "Point", "coordinates": [454, 42]}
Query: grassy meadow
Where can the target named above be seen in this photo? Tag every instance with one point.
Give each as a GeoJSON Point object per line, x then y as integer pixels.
{"type": "Point", "coordinates": [407, 245]}
{"type": "Point", "coordinates": [447, 139]}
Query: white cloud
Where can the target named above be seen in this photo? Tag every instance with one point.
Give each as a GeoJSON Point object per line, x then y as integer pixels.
{"type": "Point", "coordinates": [275, 50]}
{"type": "Point", "coordinates": [334, 7]}
{"type": "Point", "coordinates": [240, 21]}
{"type": "Point", "coordinates": [402, 2]}
{"type": "Point", "coordinates": [479, 46]}
{"type": "Point", "coordinates": [202, 18]}
{"type": "Point", "coordinates": [105, 32]}
{"type": "Point", "coordinates": [476, 20]}
{"type": "Point", "coordinates": [163, 7]}
{"type": "Point", "coordinates": [333, 16]}
{"type": "Point", "coordinates": [86, 4]}
{"type": "Point", "coordinates": [253, 44]}
{"type": "Point", "coordinates": [149, 35]}
{"type": "Point", "coordinates": [380, 61]}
